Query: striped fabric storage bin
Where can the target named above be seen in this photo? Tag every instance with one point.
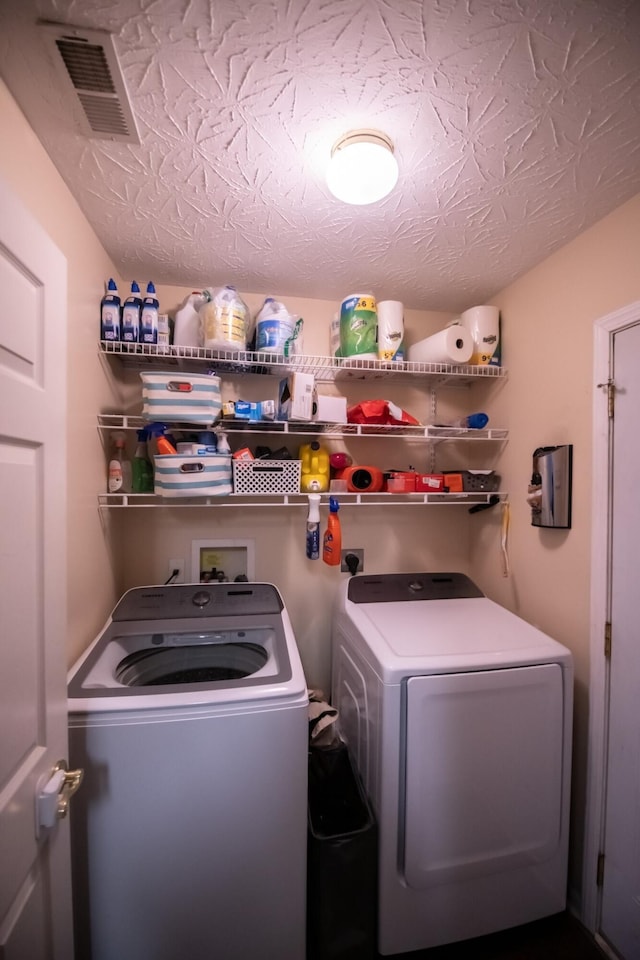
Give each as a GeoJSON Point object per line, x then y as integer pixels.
{"type": "Point", "coordinates": [187, 397]}
{"type": "Point", "coordinates": [208, 476]}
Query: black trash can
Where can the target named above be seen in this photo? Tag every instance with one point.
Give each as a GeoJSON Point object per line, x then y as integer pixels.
{"type": "Point", "coordinates": [342, 861]}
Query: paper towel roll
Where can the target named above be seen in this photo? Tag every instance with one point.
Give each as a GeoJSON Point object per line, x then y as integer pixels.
{"type": "Point", "coordinates": [452, 345]}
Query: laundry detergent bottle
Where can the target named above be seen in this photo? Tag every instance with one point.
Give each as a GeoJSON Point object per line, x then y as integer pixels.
{"type": "Point", "coordinates": [332, 541]}
{"type": "Point", "coordinates": [110, 310]}
{"type": "Point", "coordinates": [187, 329]}
{"type": "Point", "coordinates": [131, 315]}
{"type": "Point", "coordinates": [149, 316]}
{"type": "Point", "coordinates": [314, 468]}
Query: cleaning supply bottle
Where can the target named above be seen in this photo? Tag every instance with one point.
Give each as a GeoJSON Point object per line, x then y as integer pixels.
{"type": "Point", "coordinates": [222, 442]}
{"type": "Point", "coordinates": [120, 473]}
{"type": "Point", "coordinates": [110, 313]}
{"type": "Point", "coordinates": [332, 542]}
{"type": "Point", "coordinates": [131, 315]}
{"type": "Point", "coordinates": [187, 329]}
{"type": "Point", "coordinates": [274, 326]}
{"type": "Point", "coordinates": [314, 468]}
{"type": "Point", "coordinates": [313, 527]}
{"type": "Point", "coordinates": [475, 421]}
{"type": "Point", "coordinates": [142, 471]}
{"type": "Point", "coordinates": [149, 316]}
{"type": "Point", "coordinates": [157, 442]}
{"type": "Point", "coordinates": [224, 317]}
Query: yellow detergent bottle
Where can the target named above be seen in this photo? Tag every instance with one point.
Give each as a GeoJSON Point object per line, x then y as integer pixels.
{"type": "Point", "coordinates": [314, 469]}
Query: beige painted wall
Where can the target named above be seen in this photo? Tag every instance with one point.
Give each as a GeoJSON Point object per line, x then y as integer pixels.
{"type": "Point", "coordinates": [92, 554]}
{"type": "Point", "coordinates": [548, 317]}
{"type": "Point", "coordinates": [401, 538]}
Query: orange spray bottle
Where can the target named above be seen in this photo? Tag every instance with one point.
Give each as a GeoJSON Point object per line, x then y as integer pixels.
{"type": "Point", "coordinates": [332, 541]}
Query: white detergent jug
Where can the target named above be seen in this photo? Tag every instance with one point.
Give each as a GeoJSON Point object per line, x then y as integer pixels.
{"type": "Point", "coordinates": [187, 329]}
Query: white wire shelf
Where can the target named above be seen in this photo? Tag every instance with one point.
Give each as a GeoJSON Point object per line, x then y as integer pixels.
{"type": "Point", "coordinates": [324, 369]}
{"type": "Point", "coordinates": [431, 434]}
{"type": "Point", "coordinates": [129, 500]}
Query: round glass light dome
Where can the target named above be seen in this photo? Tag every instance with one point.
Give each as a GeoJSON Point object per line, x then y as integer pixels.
{"type": "Point", "coordinates": [362, 168]}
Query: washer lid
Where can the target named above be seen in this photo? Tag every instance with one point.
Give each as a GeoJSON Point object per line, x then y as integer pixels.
{"type": "Point", "coordinates": [412, 637]}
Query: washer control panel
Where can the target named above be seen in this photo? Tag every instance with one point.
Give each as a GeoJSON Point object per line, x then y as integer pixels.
{"type": "Point", "coordinates": [181, 601]}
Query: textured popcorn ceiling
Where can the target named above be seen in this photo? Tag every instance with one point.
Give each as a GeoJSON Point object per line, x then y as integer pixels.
{"type": "Point", "coordinates": [516, 125]}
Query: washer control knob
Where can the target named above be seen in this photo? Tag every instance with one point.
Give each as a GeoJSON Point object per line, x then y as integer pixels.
{"type": "Point", "coordinates": [201, 598]}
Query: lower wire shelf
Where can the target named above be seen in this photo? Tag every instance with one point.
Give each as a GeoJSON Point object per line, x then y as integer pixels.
{"type": "Point", "coordinates": [129, 500]}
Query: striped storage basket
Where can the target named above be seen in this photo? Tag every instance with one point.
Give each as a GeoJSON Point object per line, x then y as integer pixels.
{"type": "Point", "coordinates": [186, 397]}
{"type": "Point", "coordinates": [208, 476]}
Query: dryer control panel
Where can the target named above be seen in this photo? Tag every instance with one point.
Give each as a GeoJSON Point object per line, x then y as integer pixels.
{"type": "Point", "coordinates": [403, 587]}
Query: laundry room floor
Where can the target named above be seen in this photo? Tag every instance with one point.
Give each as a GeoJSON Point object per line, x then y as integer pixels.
{"type": "Point", "coordinates": [560, 937]}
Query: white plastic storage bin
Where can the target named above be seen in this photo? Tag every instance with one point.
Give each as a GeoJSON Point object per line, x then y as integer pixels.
{"type": "Point", "coordinates": [266, 476]}
{"type": "Point", "coordinates": [208, 476]}
{"type": "Point", "coordinates": [188, 397]}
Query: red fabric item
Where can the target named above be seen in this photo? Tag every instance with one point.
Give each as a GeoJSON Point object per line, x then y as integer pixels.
{"type": "Point", "coordinates": [380, 411]}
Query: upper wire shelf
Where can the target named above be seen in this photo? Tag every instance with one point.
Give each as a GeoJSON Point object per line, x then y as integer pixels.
{"type": "Point", "coordinates": [111, 421]}
{"type": "Point", "coordinates": [324, 369]}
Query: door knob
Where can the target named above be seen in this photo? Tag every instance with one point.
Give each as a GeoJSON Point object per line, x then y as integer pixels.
{"type": "Point", "coordinates": [52, 798]}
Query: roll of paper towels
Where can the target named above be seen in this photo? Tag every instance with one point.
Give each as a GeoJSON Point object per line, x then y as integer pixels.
{"type": "Point", "coordinates": [454, 344]}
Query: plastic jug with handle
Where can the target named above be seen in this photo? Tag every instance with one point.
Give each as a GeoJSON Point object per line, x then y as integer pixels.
{"type": "Point", "coordinates": [314, 468]}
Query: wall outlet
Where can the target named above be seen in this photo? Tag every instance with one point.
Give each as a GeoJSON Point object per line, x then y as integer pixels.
{"type": "Point", "coordinates": [176, 564]}
{"type": "Point", "coordinates": [359, 553]}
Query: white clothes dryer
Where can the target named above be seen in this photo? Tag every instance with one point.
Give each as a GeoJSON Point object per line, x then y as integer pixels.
{"type": "Point", "coordinates": [189, 715]}
{"type": "Point", "coordinates": [458, 716]}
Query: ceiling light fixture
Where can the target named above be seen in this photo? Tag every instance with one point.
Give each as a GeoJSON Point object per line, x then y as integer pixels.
{"type": "Point", "coordinates": [362, 168]}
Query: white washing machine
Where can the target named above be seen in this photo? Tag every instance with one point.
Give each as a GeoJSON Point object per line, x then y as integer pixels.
{"type": "Point", "coordinates": [189, 715]}
{"type": "Point", "coordinates": [458, 715]}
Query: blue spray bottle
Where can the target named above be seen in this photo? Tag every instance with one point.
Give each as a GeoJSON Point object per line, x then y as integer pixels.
{"type": "Point", "coordinates": [149, 316]}
{"type": "Point", "coordinates": [131, 315]}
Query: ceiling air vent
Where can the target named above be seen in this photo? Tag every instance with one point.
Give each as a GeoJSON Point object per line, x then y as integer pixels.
{"type": "Point", "coordinates": [87, 62]}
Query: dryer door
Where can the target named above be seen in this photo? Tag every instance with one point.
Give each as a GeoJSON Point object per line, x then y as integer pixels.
{"type": "Point", "coordinates": [483, 774]}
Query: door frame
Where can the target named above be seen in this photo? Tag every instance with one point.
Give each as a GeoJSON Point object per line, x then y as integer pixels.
{"type": "Point", "coordinates": [601, 472]}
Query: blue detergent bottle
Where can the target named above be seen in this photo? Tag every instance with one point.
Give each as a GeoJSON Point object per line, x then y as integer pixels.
{"type": "Point", "coordinates": [149, 316]}
{"type": "Point", "coordinates": [131, 315]}
{"type": "Point", "coordinates": [110, 313]}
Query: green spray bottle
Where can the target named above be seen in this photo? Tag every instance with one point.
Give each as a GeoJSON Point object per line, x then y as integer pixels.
{"type": "Point", "coordinates": [142, 471]}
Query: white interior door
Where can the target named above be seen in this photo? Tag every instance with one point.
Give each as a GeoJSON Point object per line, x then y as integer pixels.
{"type": "Point", "coordinates": [35, 891]}
{"type": "Point", "coordinates": [620, 916]}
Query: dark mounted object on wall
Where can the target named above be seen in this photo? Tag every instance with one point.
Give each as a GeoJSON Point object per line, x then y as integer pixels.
{"type": "Point", "coordinates": [550, 488]}
{"type": "Point", "coordinates": [491, 502]}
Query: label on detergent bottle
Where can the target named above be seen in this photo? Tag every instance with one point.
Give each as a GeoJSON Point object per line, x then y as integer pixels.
{"type": "Point", "coordinates": [272, 334]}
{"type": "Point", "coordinates": [313, 541]}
